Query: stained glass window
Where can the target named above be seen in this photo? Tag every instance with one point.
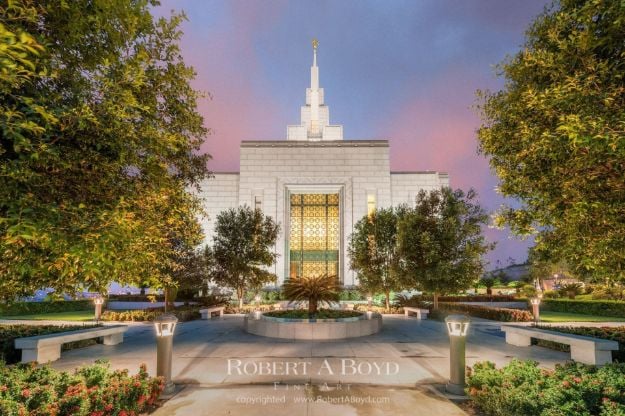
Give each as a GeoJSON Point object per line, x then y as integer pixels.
{"type": "Point", "coordinates": [314, 235]}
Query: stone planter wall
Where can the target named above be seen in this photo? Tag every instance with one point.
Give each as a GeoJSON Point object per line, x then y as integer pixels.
{"type": "Point", "coordinates": [313, 330]}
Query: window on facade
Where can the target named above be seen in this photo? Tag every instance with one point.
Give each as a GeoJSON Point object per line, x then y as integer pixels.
{"type": "Point", "coordinates": [314, 235]}
{"type": "Point", "coordinates": [371, 205]}
{"type": "Point", "coordinates": [258, 202]}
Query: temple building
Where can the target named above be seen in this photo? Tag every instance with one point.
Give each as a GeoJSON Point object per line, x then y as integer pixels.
{"type": "Point", "coordinates": [316, 185]}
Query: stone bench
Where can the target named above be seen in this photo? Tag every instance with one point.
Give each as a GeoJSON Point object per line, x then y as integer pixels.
{"type": "Point", "coordinates": [207, 313]}
{"type": "Point", "coordinates": [421, 313]}
{"type": "Point", "coordinates": [587, 350]}
{"type": "Point", "coordinates": [44, 348]}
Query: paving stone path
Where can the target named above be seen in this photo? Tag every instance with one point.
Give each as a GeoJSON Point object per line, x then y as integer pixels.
{"type": "Point", "coordinates": [225, 371]}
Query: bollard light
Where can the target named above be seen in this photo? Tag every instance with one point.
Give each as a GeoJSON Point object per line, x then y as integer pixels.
{"type": "Point", "coordinates": [535, 308]}
{"type": "Point", "coordinates": [457, 327]}
{"type": "Point", "coordinates": [165, 326]}
{"type": "Point", "coordinates": [369, 314]}
{"type": "Point", "coordinates": [369, 300]}
{"type": "Point", "coordinates": [98, 301]}
{"type": "Point", "coordinates": [257, 315]}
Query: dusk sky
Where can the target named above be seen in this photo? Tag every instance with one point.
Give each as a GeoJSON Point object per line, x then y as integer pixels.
{"type": "Point", "coordinates": [406, 71]}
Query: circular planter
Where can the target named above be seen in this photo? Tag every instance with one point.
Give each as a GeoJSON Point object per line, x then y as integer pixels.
{"type": "Point", "coordinates": [313, 329]}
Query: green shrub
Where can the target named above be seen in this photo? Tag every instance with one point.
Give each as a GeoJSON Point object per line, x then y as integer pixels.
{"type": "Point", "coordinates": [612, 333]}
{"type": "Point", "coordinates": [8, 334]}
{"type": "Point", "coordinates": [523, 389]}
{"type": "Point", "coordinates": [32, 308]}
{"type": "Point", "coordinates": [351, 294]}
{"type": "Point", "coordinates": [585, 307]}
{"type": "Point", "coordinates": [551, 294]}
{"type": "Point", "coordinates": [248, 308]}
{"type": "Point", "coordinates": [600, 292]}
{"type": "Point", "coordinates": [378, 309]}
{"type": "Point", "coordinates": [213, 300]}
{"type": "Point", "coordinates": [496, 314]}
{"type": "Point", "coordinates": [183, 313]}
{"type": "Point", "coordinates": [403, 300]}
{"type": "Point", "coordinates": [137, 298]}
{"type": "Point", "coordinates": [269, 295]}
{"type": "Point", "coordinates": [91, 390]}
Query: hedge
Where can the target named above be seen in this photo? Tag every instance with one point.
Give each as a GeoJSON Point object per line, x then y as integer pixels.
{"type": "Point", "coordinates": [31, 308]}
{"type": "Point", "coordinates": [91, 390]}
{"type": "Point", "coordinates": [478, 311]}
{"type": "Point", "coordinates": [183, 313]}
{"type": "Point", "coordinates": [612, 333]}
{"type": "Point", "coordinates": [587, 307]}
{"type": "Point", "coordinates": [8, 334]}
{"type": "Point", "coordinates": [522, 388]}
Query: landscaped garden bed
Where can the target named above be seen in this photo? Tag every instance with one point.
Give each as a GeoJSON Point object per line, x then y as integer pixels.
{"type": "Point", "coordinates": [522, 388]}
{"type": "Point", "coordinates": [26, 389]}
{"type": "Point", "coordinates": [8, 334]}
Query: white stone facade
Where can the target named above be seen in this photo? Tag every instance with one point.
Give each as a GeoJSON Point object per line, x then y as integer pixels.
{"type": "Point", "coordinates": [314, 161]}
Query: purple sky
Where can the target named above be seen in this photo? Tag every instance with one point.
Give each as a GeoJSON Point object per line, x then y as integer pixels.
{"type": "Point", "coordinates": [405, 71]}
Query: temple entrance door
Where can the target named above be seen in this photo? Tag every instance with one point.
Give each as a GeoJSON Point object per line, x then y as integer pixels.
{"type": "Point", "coordinates": [314, 235]}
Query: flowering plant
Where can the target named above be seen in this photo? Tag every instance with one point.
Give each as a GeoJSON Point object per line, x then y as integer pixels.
{"type": "Point", "coordinates": [94, 390]}
{"type": "Point", "coordinates": [523, 388]}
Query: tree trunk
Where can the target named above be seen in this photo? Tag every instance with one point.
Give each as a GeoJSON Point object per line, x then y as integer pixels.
{"type": "Point", "coordinates": [312, 306]}
{"type": "Point", "coordinates": [388, 301]}
{"type": "Point", "coordinates": [489, 291]}
{"type": "Point", "coordinates": [240, 294]}
{"type": "Point", "coordinates": [166, 299]}
{"type": "Point", "coordinates": [435, 303]}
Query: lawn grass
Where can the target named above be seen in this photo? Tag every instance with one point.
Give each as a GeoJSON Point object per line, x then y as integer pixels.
{"type": "Point", "coordinates": [87, 315]}
{"type": "Point", "coordinates": [547, 316]}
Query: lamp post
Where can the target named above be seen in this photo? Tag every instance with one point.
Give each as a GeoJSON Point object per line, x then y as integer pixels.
{"type": "Point", "coordinates": [536, 308]}
{"type": "Point", "coordinates": [457, 326]}
{"type": "Point", "coordinates": [98, 301]}
{"type": "Point", "coordinates": [165, 325]}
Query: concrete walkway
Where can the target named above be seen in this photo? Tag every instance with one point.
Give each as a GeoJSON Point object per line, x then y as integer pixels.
{"type": "Point", "coordinates": [400, 370]}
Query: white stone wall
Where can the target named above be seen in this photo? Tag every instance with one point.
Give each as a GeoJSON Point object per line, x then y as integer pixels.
{"type": "Point", "coordinates": [406, 185]}
{"type": "Point", "coordinates": [269, 170]}
{"type": "Point", "coordinates": [352, 167]}
{"type": "Point", "coordinates": [218, 193]}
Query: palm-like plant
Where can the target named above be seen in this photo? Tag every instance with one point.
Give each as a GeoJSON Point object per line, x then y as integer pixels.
{"type": "Point", "coordinates": [313, 289]}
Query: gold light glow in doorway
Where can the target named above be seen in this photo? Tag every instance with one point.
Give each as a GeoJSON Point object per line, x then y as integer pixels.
{"type": "Point", "coordinates": [314, 235]}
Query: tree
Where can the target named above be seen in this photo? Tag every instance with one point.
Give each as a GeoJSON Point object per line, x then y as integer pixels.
{"type": "Point", "coordinates": [190, 272]}
{"type": "Point", "coordinates": [99, 140]}
{"type": "Point", "coordinates": [373, 252]}
{"type": "Point", "coordinates": [441, 242]}
{"type": "Point", "coordinates": [314, 289]}
{"type": "Point", "coordinates": [554, 135]}
{"type": "Point", "coordinates": [488, 283]}
{"type": "Point", "coordinates": [243, 248]}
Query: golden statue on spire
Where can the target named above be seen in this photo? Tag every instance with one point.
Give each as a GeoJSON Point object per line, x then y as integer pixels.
{"type": "Point", "coordinates": [315, 43]}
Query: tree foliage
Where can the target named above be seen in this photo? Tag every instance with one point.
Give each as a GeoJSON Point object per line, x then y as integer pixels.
{"type": "Point", "coordinates": [441, 243]}
{"type": "Point", "coordinates": [99, 136]}
{"type": "Point", "coordinates": [555, 135]}
{"type": "Point", "coordinates": [243, 249]}
{"type": "Point", "coordinates": [373, 252]}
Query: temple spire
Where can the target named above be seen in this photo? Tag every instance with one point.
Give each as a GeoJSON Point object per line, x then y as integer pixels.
{"type": "Point", "coordinates": [314, 129]}
{"type": "Point", "coordinates": [315, 115]}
